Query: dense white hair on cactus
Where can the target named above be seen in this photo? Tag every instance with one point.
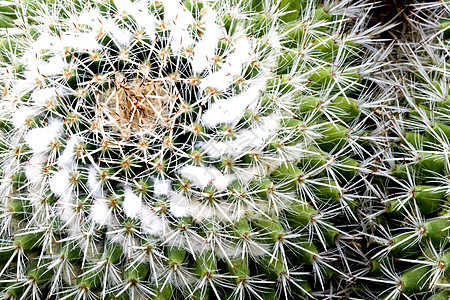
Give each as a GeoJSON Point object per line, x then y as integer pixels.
{"type": "Point", "coordinates": [41, 96]}
{"type": "Point", "coordinates": [162, 187]}
{"type": "Point", "coordinates": [215, 148]}
{"type": "Point", "coordinates": [246, 139]}
{"type": "Point", "coordinates": [21, 114]}
{"type": "Point", "coordinates": [59, 182]}
{"type": "Point", "coordinates": [131, 203]}
{"type": "Point", "coordinates": [242, 51]}
{"type": "Point", "coordinates": [199, 176]}
{"type": "Point", "coordinates": [93, 182]}
{"type": "Point", "coordinates": [77, 39]}
{"type": "Point", "coordinates": [178, 19]}
{"type": "Point", "coordinates": [66, 207]}
{"type": "Point", "coordinates": [138, 10]}
{"type": "Point", "coordinates": [221, 181]}
{"type": "Point", "coordinates": [123, 37]}
{"type": "Point", "coordinates": [151, 222]}
{"type": "Point", "coordinates": [39, 139]}
{"type": "Point", "coordinates": [44, 41]}
{"type": "Point", "coordinates": [55, 66]}
{"type": "Point", "coordinates": [100, 212]}
{"type": "Point", "coordinates": [220, 80]}
{"type": "Point", "coordinates": [66, 159]}
{"type": "Point", "coordinates": [230, 110]}
{"type": "Point", "coordinates": [90, 17]}
{"type": "Point", "coordinates": [33, 168]}
{"type": "Point", "coordinates": [173, 10]}
{"type": "Point", "coordinates": [203, 176]}
{"type": "Point", "coordinates": [204, 50]}
{"type": "Point", "coordinates": [202, 212]}
{"type": "Point", "coordinates": [81, 41]}
{"type": "Point", "coordinates": [94, 19]}
{"type": "Point", "coordinates": [179, 205]}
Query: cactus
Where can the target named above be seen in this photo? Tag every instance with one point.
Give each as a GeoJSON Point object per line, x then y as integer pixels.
{"type": "Point", "coordinates": [166, 150]}
{"type": "Point", "coordinates": [409, 232]}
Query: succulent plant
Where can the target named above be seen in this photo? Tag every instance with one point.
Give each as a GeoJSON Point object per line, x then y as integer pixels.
{"type": "Point", "coordinates": [409, 250]}
{"type": "Point", "coordinates": [166, 150]}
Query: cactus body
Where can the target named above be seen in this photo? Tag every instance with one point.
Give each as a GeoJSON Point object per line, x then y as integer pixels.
{"type": "Point", "coordinates": [168, 150]}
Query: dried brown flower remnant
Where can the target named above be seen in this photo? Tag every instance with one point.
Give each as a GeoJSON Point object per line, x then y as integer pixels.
{"type": "Point", "coordinates": [137, 106]}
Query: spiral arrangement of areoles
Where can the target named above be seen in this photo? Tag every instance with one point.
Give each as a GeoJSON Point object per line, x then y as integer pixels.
{"type": "Point", "coordinates": [167, 150]}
